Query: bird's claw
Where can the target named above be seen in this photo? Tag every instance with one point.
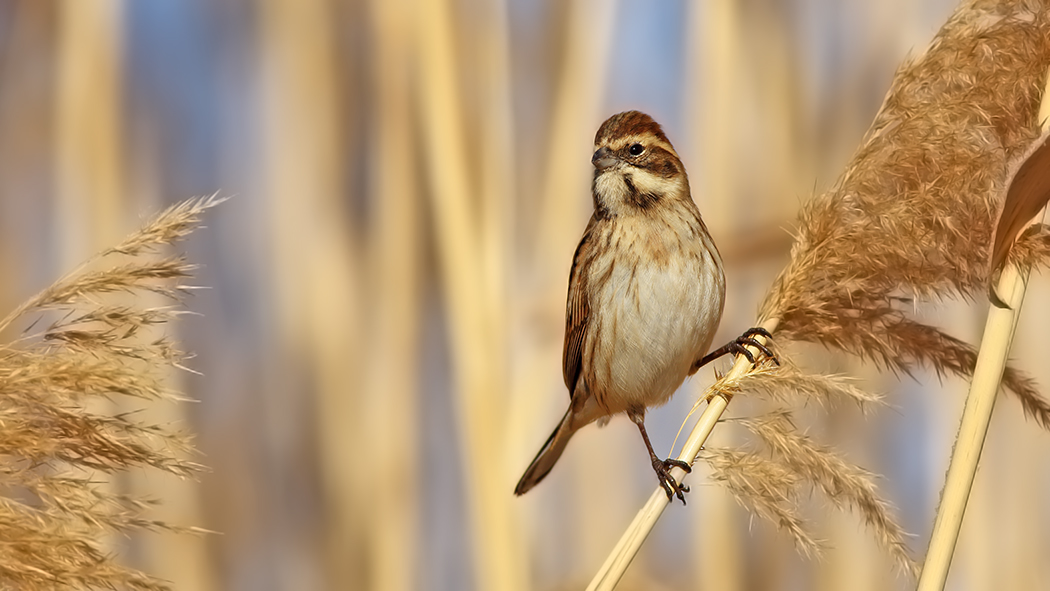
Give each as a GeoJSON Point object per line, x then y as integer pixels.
{"type": "Point", "coordinates": [741, 344]}
{"type": "Point", "coordinates": [671, 486]}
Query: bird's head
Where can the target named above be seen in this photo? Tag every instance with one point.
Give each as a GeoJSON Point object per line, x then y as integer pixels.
{"type": "Point", "coordinates": [636, 168]}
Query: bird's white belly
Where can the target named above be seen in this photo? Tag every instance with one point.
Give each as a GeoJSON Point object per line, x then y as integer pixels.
{"type": "Point", "coordinates": [654, 322]}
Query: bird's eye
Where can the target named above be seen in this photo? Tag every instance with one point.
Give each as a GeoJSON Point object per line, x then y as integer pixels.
{"type": "Point", "coordinates": [636, 149]}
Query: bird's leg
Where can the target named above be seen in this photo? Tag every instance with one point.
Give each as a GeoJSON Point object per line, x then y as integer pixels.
{"type": "Point", "coordinates": [739, 346]}
{"type": "Point", "coordinates": [662, 467]}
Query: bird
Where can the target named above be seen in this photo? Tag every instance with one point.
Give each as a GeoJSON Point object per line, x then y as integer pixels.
{"type": "Point", "coordinates": [646, 293]}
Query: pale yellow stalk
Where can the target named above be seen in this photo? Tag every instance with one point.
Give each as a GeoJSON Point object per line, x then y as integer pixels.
{"type": "Point", "coordinates": [496, 560]}
{"type": "Point", "coordinates": [390, 393]}
{"type": "Point", "coordinates": [315, 283]}
{"type": "Point", "coordinates": [89, 177]}
{"type": "Point", "coordinates": [977, 414]}
{"type": "Point", "coordinates": [621, 556]}
{"type": "Point", "coordinates": [715, 78]}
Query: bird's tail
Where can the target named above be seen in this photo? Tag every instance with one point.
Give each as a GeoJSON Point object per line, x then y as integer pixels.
{"type": "Point", "coordinates": [548, 455]}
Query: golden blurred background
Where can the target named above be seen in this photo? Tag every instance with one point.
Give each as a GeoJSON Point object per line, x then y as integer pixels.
{"type": "Point", "coordinates": [380, 341]}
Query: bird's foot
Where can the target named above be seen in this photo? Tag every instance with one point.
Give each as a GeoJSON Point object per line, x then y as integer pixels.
{"type": "Point", "coordinates": [741, 344]}
{"type": "Point", "coordinates": [667, 481]}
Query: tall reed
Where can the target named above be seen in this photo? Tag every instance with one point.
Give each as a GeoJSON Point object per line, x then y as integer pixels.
{"type": "Point", "coordinates": [468, 298]}
{"type": "Point", "coordinates": [315, 277]}
{"type": "Point", "coordinates": [716, 78]}
{"type": "Point", "coordinates": [395, 265]}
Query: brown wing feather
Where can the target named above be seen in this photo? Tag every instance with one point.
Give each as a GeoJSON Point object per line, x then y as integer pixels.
{"type": "Point", "coordinates": [1028, 193]}
{"type": "Point", "coordinates": [577, 310]}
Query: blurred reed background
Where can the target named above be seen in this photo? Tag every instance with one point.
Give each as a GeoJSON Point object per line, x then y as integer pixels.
{"type": "Point", "coordinates": [381, 343]}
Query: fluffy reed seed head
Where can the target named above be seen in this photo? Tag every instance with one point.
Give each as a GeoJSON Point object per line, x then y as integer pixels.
{"type": "Point", "coordinates": [913, 215]}
{"type": "Point", "coordinates": [55, 442]}
{"type": "Point", "coordinates": [910, 219]}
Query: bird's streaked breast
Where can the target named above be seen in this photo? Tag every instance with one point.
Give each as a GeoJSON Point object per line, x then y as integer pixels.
{"type": "Point", "coordinates": [655, 308]}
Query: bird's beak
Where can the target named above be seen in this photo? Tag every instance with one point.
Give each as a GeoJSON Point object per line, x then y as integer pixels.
{"type": "Point", "coordinates": [603, 158]}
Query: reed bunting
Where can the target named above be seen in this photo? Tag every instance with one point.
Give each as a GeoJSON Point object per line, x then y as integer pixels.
{"type": "Point", "coordinates": [646, 292]}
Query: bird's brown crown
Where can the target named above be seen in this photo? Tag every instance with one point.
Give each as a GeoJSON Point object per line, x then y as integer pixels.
{"type": "Point", "coordinates": [628, 124]}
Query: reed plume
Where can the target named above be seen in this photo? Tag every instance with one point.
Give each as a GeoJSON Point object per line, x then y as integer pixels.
{"type": "Point", "coordinates": [913, 215]}
{"type": "Point", "coordinates": [773, 476]}
{"type": "Point", "coordinates": [910, 220]}
{"type": "Point", "coordinates": [90, 339]}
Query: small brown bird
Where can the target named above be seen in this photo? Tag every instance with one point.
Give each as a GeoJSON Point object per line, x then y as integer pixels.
{"type": "Point", "coordinates": [646, 292]}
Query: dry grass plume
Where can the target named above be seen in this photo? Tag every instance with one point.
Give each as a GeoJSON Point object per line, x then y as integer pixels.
{"type": "Point", "coordinates": [911, 219]}
{"type": "Point", "coordinates": [89, 339]}
{"type": "Point", "coordinates": [913, 215]}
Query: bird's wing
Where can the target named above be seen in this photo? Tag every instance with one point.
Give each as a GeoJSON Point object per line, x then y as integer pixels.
{"type": "Point", "coordinates": [577, 310]}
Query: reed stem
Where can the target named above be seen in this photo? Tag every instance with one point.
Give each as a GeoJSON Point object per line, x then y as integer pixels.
{"type": "Point", "coordinates": [977, 414]}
